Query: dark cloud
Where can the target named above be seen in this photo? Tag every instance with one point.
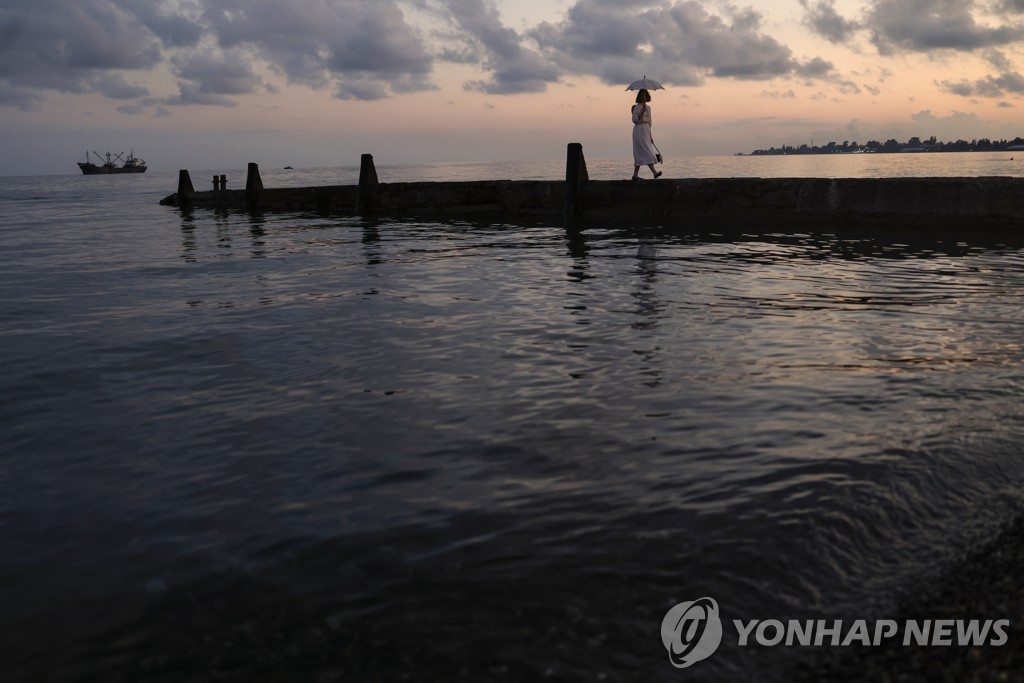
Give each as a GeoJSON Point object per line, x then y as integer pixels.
{"type": "Point", "coordinates": [990, 86]}
{"type": "Point", "coordinates": [132, 109]}
{"type": "Point", "coordinates": [178, 28]}
{"type": "Point", "coordinates": [822, 18]}
{"type": "Point", "coordinates": [847, 87]}
{"type": "Point", "coordinates": [218, 73]}
{"type": "Point", "coordinates": [962, 88]}
{"type": "Point", "coordinates": [18, 98]}
{"type": "Point", "coordinates": [680, 41]}
{"type": "Point", "coordinates": [901, 26]}
{"type": "Point", "coordinates": [358, 48]}
{"type": "Point", "coordinates": [64, 45]}
{"type": "Point", "coordinates": [513, 66]}
{"type": "Point", "coordinates": [115, 86]}
{"type": "Point", "coordinates": [998, 59]}
{"type": "Point", "coordinates": [926, 25]}
{"type": "Point", "coordinates": [816, 68]}
{"type": "Point", "coordinates": [1011, 6]}
{"type": "Point", "coordinates": [220, 50]}
{"type": "Point", "coordinates": [366, 50]}
{"type": "Point", "coordinates": [192, 93]}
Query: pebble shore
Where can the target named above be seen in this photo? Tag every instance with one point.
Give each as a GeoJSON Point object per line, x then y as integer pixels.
{"type": "Point", "coordinates": [987, 584]}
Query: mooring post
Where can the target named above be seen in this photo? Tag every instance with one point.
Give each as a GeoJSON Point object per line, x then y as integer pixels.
{"type": "Point", "coordinates": [575, 177]}
{"type": "Point", "coordinates": [185, 189]}
{"type": "Point", "coordinates": [367, 184]}
{"type": "Point", "coordinates": [223, 182]}
{"type": "Point", "coordinates": [253, 187]}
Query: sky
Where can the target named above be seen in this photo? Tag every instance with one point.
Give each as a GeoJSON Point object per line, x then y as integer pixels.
{"type": "Point", "coordinates": [212, 84]}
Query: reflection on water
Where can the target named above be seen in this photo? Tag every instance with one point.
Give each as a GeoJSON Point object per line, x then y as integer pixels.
{"type": "Point", "coordinates": [289, 443]}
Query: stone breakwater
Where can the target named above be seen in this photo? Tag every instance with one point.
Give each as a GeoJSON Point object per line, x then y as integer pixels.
{"type": "Point", "coordinates": [715, 204]}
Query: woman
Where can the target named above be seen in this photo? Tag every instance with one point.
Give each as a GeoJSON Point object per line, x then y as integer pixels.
{"type": "Point", "coordinates": [644, 152]}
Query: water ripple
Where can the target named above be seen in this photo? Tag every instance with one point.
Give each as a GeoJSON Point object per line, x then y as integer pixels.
{"type": "Point", "coordinates": [417, 419]}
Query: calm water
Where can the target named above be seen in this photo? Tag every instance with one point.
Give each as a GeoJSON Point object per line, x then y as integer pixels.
{"type": "Point", "coordinates": [474, 451]}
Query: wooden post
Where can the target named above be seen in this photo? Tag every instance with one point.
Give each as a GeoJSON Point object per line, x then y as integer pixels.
{"type": "Point", "coordinates": [185, 189]}
{"type": "Point", "coordinates": [216, 183]}
{"type": "Point", "coordinates": [223, 182]}
{"type": "Point", "coordinates": [367, 184]}
{"type": "Point", "coordinates": [576, 177]}
{"type": "Point", "coordinates": [253, 187]}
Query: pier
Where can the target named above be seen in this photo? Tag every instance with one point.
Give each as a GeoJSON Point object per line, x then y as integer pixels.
{"type": "Point", "coordinates": [701, 204]}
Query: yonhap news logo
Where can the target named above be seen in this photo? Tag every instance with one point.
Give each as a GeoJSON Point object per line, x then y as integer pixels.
{"type": "Point", "coordinates": [692, 631]}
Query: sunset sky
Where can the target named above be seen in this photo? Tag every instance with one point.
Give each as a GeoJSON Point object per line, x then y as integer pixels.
{"type": "Point", "coordinates": [216, 83]}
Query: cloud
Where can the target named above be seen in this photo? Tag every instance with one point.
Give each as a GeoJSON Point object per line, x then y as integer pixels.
{"type": "Point", "coordinates": [115, 86]}
{"type": "Point", "coordinates": [221, 50]}
{"type": "Point", "coordinates": [922, 26]}
{"type": "Point", "coordinates": [998, 59]}
{"type": "Point", "coordinates": [926, 25]}
{"type": "Point", "coordinates": [814, 69]}
{"type": "Point", "coordinates": [957, 125]}
{"type": "Point", "coordinates": [678, 41]}
{"type": "Point", "coordinates": [218, 73]}
{"type": "Point", "coordinates": [358, 48]}
{"type": "Point", "coordinates": [481, 37]}
{"type": "Point", "coordinates": [18, 98]}
{"type": "Point", "coordinates": [822, 18]}
{"type": "Point", "coordinates": [1011, 6]}
{"type": "Point", "coordinates": [175, 24]}
{"type": "Point", "coordinates": [990, 86]}
{"type": "Point", "coordinates": [365, 50]}
{"type": "Point", "coordinates": [847, 87]}
{"type": "Point", "coordinates": [193, 93]}
{"type": "Point", "coordinates": [64, 44]}
{"type": "Point", "coordinates": [131, 109]}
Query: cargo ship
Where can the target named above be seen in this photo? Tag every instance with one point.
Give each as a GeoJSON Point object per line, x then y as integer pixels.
{"type": "Point", "coordinates": [129, 165]}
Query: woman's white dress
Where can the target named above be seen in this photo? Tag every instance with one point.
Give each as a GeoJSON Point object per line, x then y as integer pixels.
{"type": "Point", "coordinates": [643, 147]}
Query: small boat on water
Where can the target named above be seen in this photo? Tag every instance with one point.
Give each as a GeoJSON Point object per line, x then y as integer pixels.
{"type": "Point", "coordinates": [129, 165]}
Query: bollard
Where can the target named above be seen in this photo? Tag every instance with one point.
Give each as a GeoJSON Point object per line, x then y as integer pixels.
{"type": "Point", "coordinates": [216, 183]}
{"type": "Point", "coordinates": [185, 189]}
{"type": "Point", "coordinates": [367, 184]}
{"type": "Point", "coordinates": [223, 182]}
{"type": "Point", "coordinates": [253, 187]}
{"type": "Point", "coordinates": [576, 177]}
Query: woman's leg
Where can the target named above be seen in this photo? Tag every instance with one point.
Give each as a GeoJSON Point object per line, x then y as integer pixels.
{"type": "Point", "coordinates": [656, 174]}
{"type": "Point", "coordinates": [636, 171]}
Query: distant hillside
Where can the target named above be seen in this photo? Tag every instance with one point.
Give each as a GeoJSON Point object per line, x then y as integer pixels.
{"type": "Point", "coordinates": [893, 146]}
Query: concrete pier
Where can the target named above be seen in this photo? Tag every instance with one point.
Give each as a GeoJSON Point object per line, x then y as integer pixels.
{"type": "Point", "coordinates": [716, 204]}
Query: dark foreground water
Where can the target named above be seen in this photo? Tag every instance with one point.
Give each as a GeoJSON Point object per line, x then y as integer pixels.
{"type": "Point", "coordinates": [305, 448]}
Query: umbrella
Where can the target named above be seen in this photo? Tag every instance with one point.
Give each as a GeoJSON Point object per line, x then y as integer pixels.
{"type": "Point", "coordinates": [645, 84]}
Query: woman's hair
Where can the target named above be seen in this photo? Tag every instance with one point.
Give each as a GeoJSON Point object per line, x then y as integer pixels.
{"type": "Point", "coordinates": [643, 96]}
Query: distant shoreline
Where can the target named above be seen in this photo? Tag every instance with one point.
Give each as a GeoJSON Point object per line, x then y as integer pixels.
{"type": "Point", "coordinates": [913, 145]}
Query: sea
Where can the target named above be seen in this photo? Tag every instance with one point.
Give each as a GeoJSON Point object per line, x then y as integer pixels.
{"type": "Point", "coordinates": [300, 447]}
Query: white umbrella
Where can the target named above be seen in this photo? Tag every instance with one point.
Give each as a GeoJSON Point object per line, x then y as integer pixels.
{"type": "Point", "coordinates": [645, 84]}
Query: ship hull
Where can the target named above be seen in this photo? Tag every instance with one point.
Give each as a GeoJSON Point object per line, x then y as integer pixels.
{"type": "Point", "coordinates": [93, 169]}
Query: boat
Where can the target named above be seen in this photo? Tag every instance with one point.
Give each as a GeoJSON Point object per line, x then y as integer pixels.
{"type": "Point", "coordinates": [130, 165]}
